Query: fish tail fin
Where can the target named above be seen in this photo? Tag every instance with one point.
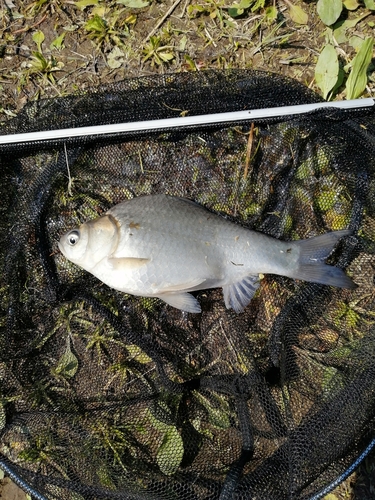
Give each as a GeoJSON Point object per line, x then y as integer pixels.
{"type": "Point", "coordinates": [313, 253]}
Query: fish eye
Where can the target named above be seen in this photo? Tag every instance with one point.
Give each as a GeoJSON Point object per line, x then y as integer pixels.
{"type": "Point", "coordinates": [73, 238]}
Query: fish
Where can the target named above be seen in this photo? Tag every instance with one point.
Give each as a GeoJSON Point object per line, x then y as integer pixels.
{"type": "Point", "coordinates": [165, 246]}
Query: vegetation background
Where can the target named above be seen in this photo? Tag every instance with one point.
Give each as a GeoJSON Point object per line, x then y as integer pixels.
{"type": "Point", "coordinates": [54, 48]}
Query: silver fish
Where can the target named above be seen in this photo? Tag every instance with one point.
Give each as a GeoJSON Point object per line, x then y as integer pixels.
{"type": "Point", "coordinates": [164, 246]}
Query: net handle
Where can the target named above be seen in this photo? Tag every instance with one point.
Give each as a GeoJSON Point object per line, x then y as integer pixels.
{"type": "Point", "coordinates": [182, 121]}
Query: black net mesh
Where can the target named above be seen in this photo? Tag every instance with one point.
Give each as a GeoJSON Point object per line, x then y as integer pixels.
{"type": "Point", "coordinates": [108, 395]}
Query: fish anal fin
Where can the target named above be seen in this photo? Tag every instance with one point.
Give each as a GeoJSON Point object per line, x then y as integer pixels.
{"type": "Point", "coordinates": [123, 263]}
{"type": "Point", "coordinates": [238, 295]}
{"type": "Point", "coordinates": [183, 301]}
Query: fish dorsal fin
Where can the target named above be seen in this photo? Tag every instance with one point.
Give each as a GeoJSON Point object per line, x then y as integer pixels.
{"type": "Point", "coordinates": [183, 301]}
{"type": "Point", "coordinates": [239, 294]}
{"type": "Point", "coordinates": [122, 263]}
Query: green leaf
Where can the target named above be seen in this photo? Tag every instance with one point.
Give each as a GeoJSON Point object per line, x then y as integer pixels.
{"type": "Point", "coordinates": [271, 13]}
{"type": "Point", "coordinates": [136, 352]}
{"type": "Point", "coordinates": [115, 58]}
{"type": "Point", "coordinates": [341, 27]}
{"type": "Point", "coordinates": [218, 416]}
{"type": "Point", "coordinates": [259, 4]}
{"type": "Point", "coordinates": [339, 31]}
{"type": "Point", "coordinates": [165, 56]}
{"type": "Point", "coordinates": [182, 44]}
{"type": "Point", "coordinates": [357, 80]}
{"type": "Point", "coordinates": [38, 62]}
{"type": "Point", "coordinates": [329, 10]}
{"type": "Point", "coordinates": [351, 4]}
{"type": "Point", "coordinates": [340, 79]}
{"type": "Point", "coordinates": [370, 4]}
{"type": "Point", "coordinates": [170, 453]}
{"type": "Point", "coordinates": [38, 38]}
{"type": "Point", "coordinates": [237, 9]}
{"type": "Point", "coordinates": [297, 14]}
{"type": "Point", "coordinates": [189, 61]}
{"type": "Point", "coordinates": [134, 4]}
{"type": "Point", "coordinates": [355, 42]}
{"type": "Point", "coordinates": [244, 4]}
{"type": "Point", "coordinates": [96, 24]}
{"type": "Point", "coordinates": [58, 43]}
{"type": "Point", "coordinates": [327, 70]}
{"type": "Point", "coordinates": [235, 12]}
{"type": "Point", "coordinates": [68, 363]}
{"type": "Point", "coordinates": [82, 4]}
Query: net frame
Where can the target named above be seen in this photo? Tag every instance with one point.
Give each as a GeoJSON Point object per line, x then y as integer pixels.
{"type": "Point", "coordinates": [335, 116]}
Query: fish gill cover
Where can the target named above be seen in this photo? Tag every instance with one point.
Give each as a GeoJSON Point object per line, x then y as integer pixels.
{"type": "Point", "coordinates": [107, 395]}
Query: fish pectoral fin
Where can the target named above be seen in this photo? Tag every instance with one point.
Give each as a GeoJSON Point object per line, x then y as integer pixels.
{"type": "Point", "coordinates": [121, 263]}
{"type": "Point", "coordinates": [183, 301]}
{"type": "Point", "coordinates": [238, 295]}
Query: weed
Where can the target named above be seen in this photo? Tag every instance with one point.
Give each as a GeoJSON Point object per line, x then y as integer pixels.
{"type": "Point", "coordinates": [44, 66]}
{"type": "Point", "coordinates": [109, 27]}
{"type": "Point", "coordinates": [157, 53]}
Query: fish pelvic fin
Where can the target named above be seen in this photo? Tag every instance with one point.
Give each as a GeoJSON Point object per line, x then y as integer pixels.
{"type": "Point", "coordinates": [313, 253]}
{"type": "Point", "coordinates": [184, 301]}
{"type": "Point", "coordinates": [238, 295]}
{"type": "Point", "coordinates": [193, 284]}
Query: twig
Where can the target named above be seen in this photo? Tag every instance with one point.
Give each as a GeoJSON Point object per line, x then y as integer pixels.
{"type": "Point", "coordinates": [69, 176]}
{"type": "Point", "coordinates": [183, 9]}
{"type": "Point", "coordinates": [167, 14]}
{"type": "Point", "coordinates": [27, 28]}
{"type": "Point", "coordinates": [248, 151]}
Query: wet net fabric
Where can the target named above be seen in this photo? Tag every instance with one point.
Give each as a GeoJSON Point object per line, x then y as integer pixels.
{"type": "Point", "coordinates": [106, 395]}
